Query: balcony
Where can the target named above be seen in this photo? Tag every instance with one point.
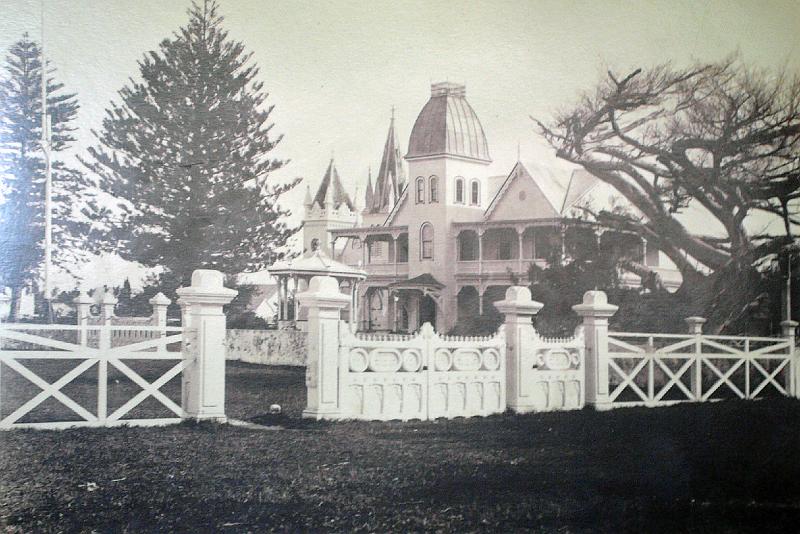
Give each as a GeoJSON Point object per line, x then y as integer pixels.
{"type": "Point", "coordinates": [495, 267]}
{"type": "Point", "coordinates": [386, 269]}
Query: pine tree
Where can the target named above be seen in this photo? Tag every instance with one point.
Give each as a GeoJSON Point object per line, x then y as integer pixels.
{"type": "Point", "coordinates": [22, 172]}
{"type": "Point", "coordinates": [187, 150]}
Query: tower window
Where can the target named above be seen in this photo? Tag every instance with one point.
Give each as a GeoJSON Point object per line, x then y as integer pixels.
{"type": "Point", "coordinates": [459, 190]}
{"type": "Point", "coordinates": [420, 190]}
{"type": "Point", "coordinates": [475, 198]}
{"type": "Point", "coordinates": [434, 189]}
{"type": "Point", "coordinates": [426, 241]}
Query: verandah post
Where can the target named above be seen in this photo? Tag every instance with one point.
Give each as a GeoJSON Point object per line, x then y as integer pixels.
{"type": "Point", "coordinates": [595, 311]}
{"type": "Point", "coordinates": [519, 309]}
{"type": "Point", "coordinates": [788, 330]}
{"type": "Point", "coordinates": [204, 345]}
{"type": "Point", "coordinates": [324, 302]}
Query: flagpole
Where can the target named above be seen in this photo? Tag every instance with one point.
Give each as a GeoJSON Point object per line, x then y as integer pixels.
{"type": "Point", "coordinates": [48, 186]}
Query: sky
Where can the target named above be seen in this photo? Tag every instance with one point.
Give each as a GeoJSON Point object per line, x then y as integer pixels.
{"type": "Point", "coordinates": [335, 69]}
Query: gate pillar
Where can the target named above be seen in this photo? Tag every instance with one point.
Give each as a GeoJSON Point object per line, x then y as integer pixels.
{"type": "Point", "coordinates": [204, 345]}
{"type": "Point", "coordinates": [519, 309]}
{"type": "Point", "coordinates": [324, 302]}
{"type": "Point", "coordinates": [595, 311]}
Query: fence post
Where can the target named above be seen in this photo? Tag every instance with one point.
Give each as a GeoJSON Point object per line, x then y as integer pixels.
{"type": "Point", "coordinates": [107, 303]}
{"type": "Point", "coordinates": [159, 315]}
{"type": "Point", "coordinates": [324, 302]}
{"type": "Point", "coordinates": [519, 309]}
{"type": "Point", "coordinates": [788, 330]}
{"type": "Point", "coordinates": [204, 376]}
{"type": "Point", "coordinates": [83, 304]}
{"type": "Point", "coordinates": [595, 311]}
{"type": "Point", "coordinates": [5, 302]}
{"type": "Point", "coordinates": [695, 325]}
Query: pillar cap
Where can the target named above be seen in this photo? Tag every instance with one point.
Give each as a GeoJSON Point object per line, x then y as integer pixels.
{"type": "Point", "coordinates": [695, 319]}
{"type": "Point", "coordinates": [518, 301]}
{"type": "Point", "coordinates": [595, 304]}
{"type": "Point", "coordinates": [206, 288]}
{"type": "Point", "coordinates": [108, 298]}
{"type": "Point", "coordinates": [323, 291]}
{"type": "Point", "coordinates": [160, 299]}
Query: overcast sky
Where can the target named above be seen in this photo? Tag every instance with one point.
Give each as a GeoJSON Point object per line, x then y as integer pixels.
{"type": "Point", "coordinates": [334, 70]}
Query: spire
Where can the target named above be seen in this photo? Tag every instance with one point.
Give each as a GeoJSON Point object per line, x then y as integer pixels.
{"type": "Point", "coordinates": [368, 195]}
{"type": "Point", "coordinates": [390, 174]}
{"type": "Point", "coordinates": [307, 202]}
{"type": "Point", "coordinates": [331, 193]}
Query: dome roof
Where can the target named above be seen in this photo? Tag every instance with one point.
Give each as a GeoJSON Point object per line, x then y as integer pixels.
{"type": "Point", "coordinates": [448, 125]}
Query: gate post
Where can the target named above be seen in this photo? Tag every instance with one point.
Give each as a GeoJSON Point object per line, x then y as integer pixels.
{"type": "Point", "coordinates": [324, 302]}
{"type": "Point", "coordinates": [519, 309]}
{"type": "Point", "coordinates": [788, 329]}
{"type": "Point", "coordinates": [204, 344]}
{"type": "Point", "coordinates": [83, 304]}
{"type": "Point", "coordinates": [595, 311]}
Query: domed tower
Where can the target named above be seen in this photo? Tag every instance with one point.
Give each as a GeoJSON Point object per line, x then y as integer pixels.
{"type": "Point", "coordinates": [331, 208]}
{"type": "Point", "coordinates": [447, 165]}
{"type": "Point", "coordinates": [448, 143]}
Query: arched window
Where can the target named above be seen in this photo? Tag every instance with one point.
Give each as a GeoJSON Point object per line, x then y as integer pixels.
{"type": "Point", "coordinates": [420, 190]}
{"type": "Point", "coordinates": [459, 190]}
{"type": "Point", "coordinates": [434, 189]}
{"type": "Point", "coordinates": [426, 241]}
{"type": "Point", "coordinates": [475, 197]}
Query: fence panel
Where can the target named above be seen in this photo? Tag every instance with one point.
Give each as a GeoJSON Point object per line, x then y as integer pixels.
{"type": "Point", "coordinates": [663, 369]}
{"type": "Point", "coordinates": [39, 353]}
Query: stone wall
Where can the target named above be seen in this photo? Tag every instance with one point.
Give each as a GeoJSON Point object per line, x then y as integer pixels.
{"type": "Point", "coordinates": [268, 347]}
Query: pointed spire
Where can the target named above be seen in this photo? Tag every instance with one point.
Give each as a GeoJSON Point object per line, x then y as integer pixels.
{"type": "Point", "coordinates": [390, 174]}
{"type": "Point", "coordinates": [307, 202]}
{"type": "Point", "coordinates": [331, 193]}
{"type": "Point", "coordinates": [368, 194]}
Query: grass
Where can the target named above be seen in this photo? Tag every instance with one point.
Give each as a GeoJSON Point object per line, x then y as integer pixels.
{"type": "Point", "coordinates": [727, 466]}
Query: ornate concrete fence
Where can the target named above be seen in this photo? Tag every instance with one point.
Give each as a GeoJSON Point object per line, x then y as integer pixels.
{"type": "Point", "coordinates": [425, 375]}
{"type": "Point", "coordinates": [198, 348]}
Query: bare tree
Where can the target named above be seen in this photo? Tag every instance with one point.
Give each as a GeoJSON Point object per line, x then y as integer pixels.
{"type": "Point", "coordinates": [721, 136]}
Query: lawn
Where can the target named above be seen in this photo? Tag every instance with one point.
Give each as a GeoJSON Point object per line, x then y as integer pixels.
{"type": "Point", "coordinates": [727, 466]}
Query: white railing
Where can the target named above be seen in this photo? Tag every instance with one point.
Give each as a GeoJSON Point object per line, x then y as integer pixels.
{"type": "Point", "coordinates": [662, 369]}
{"type": "Point", "coordinates": [21, 344]}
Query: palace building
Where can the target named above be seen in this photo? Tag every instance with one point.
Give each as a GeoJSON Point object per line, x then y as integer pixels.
{"type": "Point", "coordinates": [437, 237]}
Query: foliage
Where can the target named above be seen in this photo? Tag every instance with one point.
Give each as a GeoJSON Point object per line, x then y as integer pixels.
{"type": "Point", "coordinates": [186, 153]}
{"type": "Point", "coordinates": [721, 136]}
{"type": "Point", "coordinates": [22, 171]}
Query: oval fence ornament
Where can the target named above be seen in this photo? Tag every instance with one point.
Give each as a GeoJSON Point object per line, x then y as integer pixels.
{"type": "Point", "coordinates": [385, 361]}
{"type": "Point", "coordinates": [443, 360]}
{"type": "Point", "coordinates": [412, 360]}
{"type": "Point", "coordinates": [467, 360]}
{"type": "Point", "coordinates": [491, 359]}
{"type": "Point", "coordinates": [358, 360]}
{"type": "Point", "coordinates": [557, 359]}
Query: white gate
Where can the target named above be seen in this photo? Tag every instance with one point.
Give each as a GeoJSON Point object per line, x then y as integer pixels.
{"type": "Point", "coordinates": [24, 347]}
{"type": "Point", "coordinates": [421, 376]}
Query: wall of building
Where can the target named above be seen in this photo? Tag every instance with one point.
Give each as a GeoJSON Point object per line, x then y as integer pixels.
{"type": "Point", "coordinates": [268, 347]}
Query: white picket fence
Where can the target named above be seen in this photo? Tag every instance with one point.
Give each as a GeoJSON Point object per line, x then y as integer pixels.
{"type": "Point", "coordinates": [662, 369]}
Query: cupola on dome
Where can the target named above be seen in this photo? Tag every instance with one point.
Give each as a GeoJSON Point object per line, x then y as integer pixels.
{"type": "Point", "coordinates": [448, 125]}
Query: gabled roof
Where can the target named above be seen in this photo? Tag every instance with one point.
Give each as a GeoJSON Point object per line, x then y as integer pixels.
{"type": "Point", "coordinates": [423, 281]}
{"type": "Point", "coordinates": [560, 192]}
{"type": "Point", "coordinates": [340, 196]}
